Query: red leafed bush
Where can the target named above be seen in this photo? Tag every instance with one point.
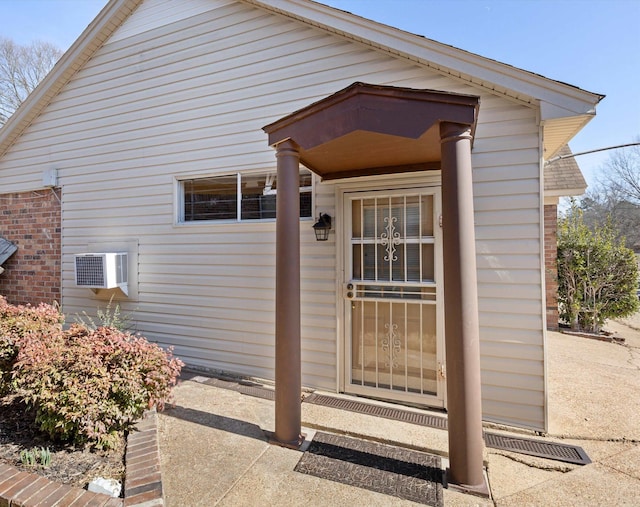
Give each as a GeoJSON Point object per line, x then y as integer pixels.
{"type": "Point", "coordinates": [18, 322]}
{"type": "Point", "coordinates": [84, 385]}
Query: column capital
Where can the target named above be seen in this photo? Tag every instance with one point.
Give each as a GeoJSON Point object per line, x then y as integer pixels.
{"type": "Point", "coordinates": [454, 131]}
{"type": "Point", "coordinates": [288, 145]}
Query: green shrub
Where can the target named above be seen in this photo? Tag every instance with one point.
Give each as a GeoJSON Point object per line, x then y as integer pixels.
{"type": "Point", "coordinates": [597, 274]}
{"type": "Point", "coordinates": [18, 322]}
{"type": "Point", "coordinates": [111, 316]}
{"type": "Point", "coordinates": [85, 385]}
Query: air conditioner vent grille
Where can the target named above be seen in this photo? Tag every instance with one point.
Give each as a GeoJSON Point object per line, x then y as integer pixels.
{"type": "Point", "coordinates": [102, 270]}
{"type": "Point", "coordinates": [90, 270]}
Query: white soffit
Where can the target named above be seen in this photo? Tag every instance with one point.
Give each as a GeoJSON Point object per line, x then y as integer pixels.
{"type": "Point", "coordinates": [558, 132]}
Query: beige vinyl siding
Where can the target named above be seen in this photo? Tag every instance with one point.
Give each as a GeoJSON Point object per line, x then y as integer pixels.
{"type": "Point", "coordinates": [507, 206]}
{"type": "Point", "coordinates": [173, 95]}
{"type": "Point", "coordinates": [155, 14]}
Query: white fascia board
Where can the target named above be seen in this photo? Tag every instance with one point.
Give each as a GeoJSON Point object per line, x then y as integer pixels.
{"type": "Point", "coordinates": [554, 197]}
{"type": "Point", "coordinates": [495, 76]}
{"type": "Point", "coordinates": [565, 192]}
{"type": "Point", "coordinates": [549, 111]}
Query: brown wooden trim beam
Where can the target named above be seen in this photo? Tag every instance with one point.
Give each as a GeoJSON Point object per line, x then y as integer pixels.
{"type": "Point", "coordinates": [375, 171]}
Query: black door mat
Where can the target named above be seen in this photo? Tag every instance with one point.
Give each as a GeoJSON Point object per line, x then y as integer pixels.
{"type": "Point", "coordinates": [540, 448]}
{"type": "Point", "coordinates": [403, 473]}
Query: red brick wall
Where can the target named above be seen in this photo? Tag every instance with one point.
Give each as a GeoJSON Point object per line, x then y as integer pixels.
{"type": "Point", "coordinates": [551, 270]}
{"type": "Point", "coordinates": [31, 220]}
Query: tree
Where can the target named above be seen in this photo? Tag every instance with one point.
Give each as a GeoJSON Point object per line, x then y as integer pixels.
{"type": "Point", "coordinates": [615, 196]}
{"type": "Point", "coordinates": [621, 173]}
{"type": "Point", "coordinates": [601, 206]}
{"type": "Point", "coordinates": [597, 274]}
{"type": "Point", "coordinates": [21, 69]}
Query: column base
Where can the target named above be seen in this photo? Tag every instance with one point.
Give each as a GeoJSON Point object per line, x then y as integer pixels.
{"type": "Point", "coordinates": [481, 490]}
{"type": "Point", "coordinates": [293, 444]}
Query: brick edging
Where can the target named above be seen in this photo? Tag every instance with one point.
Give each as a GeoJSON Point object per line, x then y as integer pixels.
{"type": "Point", "coordinates": [143, 478]}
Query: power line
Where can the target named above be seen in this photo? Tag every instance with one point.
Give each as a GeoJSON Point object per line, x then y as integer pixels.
{"type": "Point", "coordinates": [569, 155]}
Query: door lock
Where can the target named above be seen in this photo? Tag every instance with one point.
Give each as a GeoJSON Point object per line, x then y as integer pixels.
{"type": "Point", "coordinates": [349, 293]}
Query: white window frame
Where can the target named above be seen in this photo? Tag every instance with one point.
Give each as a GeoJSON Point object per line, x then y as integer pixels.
{"type": "Point", "coordinates": [180, 196]}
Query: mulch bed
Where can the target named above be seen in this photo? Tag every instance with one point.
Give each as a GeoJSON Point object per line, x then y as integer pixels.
{"type": "Point", "coordinates": [72, 465]}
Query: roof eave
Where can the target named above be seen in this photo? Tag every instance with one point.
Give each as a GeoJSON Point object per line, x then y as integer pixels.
{"type": "Point", "coordinates": [554, 196]}
{"type": "Point", "coordinates": [567, 192]}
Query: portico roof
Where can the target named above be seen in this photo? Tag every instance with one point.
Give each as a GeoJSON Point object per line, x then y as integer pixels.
{"type": "Point", "coordinates": [367, 129]}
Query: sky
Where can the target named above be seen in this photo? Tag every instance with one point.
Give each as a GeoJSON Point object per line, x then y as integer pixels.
{"type": "Point", "coordinates": [591, 44]}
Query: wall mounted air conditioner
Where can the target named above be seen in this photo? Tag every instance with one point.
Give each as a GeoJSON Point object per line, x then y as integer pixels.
{"type": "Point", "coordinates": [107, 270]}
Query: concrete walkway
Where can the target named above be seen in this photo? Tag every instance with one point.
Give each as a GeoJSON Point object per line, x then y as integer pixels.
{"type": "Point", "coordinates": [214, 450]}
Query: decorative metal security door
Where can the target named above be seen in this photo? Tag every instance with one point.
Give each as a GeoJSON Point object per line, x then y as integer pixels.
{"type": "Point", "coordinates": [392, 291]}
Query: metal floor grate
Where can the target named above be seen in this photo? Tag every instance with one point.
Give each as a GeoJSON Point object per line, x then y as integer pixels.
{"type": "Point", "coordinates": [540, 448]}
{"type": "Point", "coordinates": [257, 392]}
{"type": "Point", "coordinates": [243, 387]}
{"type": "Point", "coordinates": [378, 411]}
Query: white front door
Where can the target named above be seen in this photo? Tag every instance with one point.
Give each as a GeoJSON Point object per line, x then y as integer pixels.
{"type": "Point", "coordinates": [392, 290]}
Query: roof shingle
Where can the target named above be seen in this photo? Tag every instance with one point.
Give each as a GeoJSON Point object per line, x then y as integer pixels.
{"type": "Point", "coordinates": [563, 177]}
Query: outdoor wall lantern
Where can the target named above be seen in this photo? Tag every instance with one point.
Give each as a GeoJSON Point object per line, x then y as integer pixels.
{"type": "Point", "coordinates": [322, 227]}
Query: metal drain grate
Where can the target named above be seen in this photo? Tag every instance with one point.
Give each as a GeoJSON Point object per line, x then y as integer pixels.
{"type": "Point", "coordinates": [378, 411]}
{"type": "Point", "coordinates": [257, 392]}
{"type": "Point", "coordinates": [250, 389]}
{"type": "Point", "coordinates": [550, 450]}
